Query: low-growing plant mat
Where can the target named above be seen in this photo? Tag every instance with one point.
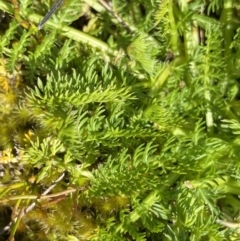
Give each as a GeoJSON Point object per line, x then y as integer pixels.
{"type": "Point", "coordinates": [120, 120]}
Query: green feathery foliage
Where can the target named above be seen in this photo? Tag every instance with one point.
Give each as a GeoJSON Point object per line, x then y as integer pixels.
{"type": "Point", "coordinates": [119, 120]}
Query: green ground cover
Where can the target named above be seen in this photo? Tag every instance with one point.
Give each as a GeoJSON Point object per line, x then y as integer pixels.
{"type": "Point", "coordinates": [119, 120]}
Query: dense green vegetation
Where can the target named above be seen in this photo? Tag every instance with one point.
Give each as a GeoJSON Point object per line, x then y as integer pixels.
{"type": "Point", "coordinates": [120, 120]}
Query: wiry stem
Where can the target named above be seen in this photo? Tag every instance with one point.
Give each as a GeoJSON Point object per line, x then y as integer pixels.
{"type": "Point", "coordinates": [119, 19]}
{"type": "Point", "coordinates": [29, 208]}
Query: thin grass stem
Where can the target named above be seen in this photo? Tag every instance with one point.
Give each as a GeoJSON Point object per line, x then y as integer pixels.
{"type": "Point", "coordinates": [50, 13]}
